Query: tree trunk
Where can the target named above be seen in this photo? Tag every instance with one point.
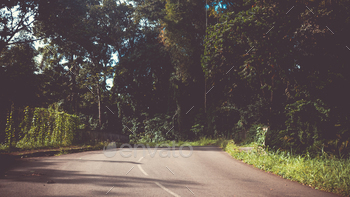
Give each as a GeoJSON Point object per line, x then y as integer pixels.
{"type": "Point", "coordinates": [271, 101]}
{"type": "Point", "coordinates": [96, 65]}
{"type": "Point", "coordinates": [205, 95]}
{"type": "Point", "coordinates": [180, 105]}
{"type": "Point", "coordinates": [74, 88]}
{"type": "Point", "coordinates": [99, 105]}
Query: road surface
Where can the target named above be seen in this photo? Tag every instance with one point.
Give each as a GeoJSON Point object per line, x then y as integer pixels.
{"type": "Point", "coordinates": [208, 171]}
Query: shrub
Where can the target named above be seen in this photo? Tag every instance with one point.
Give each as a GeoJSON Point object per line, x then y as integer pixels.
{"type": "Point", "coordinates": [257, 133]}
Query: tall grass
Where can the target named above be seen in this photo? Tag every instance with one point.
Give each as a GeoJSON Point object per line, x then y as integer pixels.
{"type": "Point", "coordinates": [203, 141]}
{"type": "Point", "coordinates": [324, 172]}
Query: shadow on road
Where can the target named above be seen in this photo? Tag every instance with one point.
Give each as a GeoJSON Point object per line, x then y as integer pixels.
{"type": "Point", "coordinates": [41, 170]}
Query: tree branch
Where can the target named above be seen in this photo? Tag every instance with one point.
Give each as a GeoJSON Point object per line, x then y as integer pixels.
{"type": "Point", "coordinates": [21, 42]}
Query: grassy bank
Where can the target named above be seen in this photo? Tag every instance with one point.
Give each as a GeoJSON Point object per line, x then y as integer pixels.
{"type": "Point", "coordinates": [324, 173]}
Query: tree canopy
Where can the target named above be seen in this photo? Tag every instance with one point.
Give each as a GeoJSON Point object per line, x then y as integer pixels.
{"type": "Point", "coordinates": [165, 69]}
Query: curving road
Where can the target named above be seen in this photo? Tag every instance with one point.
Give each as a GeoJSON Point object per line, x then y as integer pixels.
{"type": "Point", "coordinates": [209, 171]}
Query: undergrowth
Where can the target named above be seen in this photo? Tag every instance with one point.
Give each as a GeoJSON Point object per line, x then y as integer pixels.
{"type": "Point", "coordinates": [325, 172]}
{"type": "Point", "coordinates": [201, 142]}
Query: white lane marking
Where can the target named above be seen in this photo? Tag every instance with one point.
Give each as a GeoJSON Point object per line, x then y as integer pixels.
{"type": "Point", "coordinates": [139, 166]}
{"type": "Point", "coordinates": [140, 159]}
{"type": "Point", "coordinates": [167, 190]}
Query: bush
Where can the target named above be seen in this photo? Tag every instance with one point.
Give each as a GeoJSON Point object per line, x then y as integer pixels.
{"type": "Point", "coordinates": [157, 129]}
{"type": "Point", "coordinates": [257, 133]}
{"type": "Point", "coordinates": [308, 129]}
{"type": "Point", "coordinates": [197, 129]}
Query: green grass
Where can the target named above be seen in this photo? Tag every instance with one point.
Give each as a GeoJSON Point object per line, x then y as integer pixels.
{"type": "Point", "coordinates": [201, 142]}
{"type": "Point", "coordinates": [325, 173]}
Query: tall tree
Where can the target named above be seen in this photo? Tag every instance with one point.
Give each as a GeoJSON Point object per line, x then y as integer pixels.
{"type": "Point", "coordinates": [288, 58]}
{"type": "Point", "coordinates": [183, 30]}
{"type": "Point", "coordinates": [98, 27]}
{"type": "Point", "coordinates": [18, 82]}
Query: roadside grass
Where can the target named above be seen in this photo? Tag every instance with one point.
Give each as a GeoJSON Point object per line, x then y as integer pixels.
{"type": "Point", "coordinates": [201, 142]}
{"type": "Point", "coordinates": [325, 172]}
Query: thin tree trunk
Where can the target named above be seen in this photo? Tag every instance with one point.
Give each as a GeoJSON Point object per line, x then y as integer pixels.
{"type": "Point", "coordinates": [205, 95]}
{"type": "Point", "coordinates": [98, 91]}
{"type": "Point", "coordinates": [260, 80]}
{"type": "Point", "coordinates": [99, 105]}
{"type": "Point", "coordinates": [271, 100]}
{"type": "Point", "coordinates": [74, 94]}
{"type": "Point", "coordinates": [76, 104]}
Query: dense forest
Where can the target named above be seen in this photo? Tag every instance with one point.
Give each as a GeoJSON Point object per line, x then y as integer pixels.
{"type": "Point", "coordinates": [177, 70]}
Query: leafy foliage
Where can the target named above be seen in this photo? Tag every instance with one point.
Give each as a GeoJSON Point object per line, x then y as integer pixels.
{"type": "Point", "coordinates": [203, 68]}
{"type": "Point", "coordinates": [263, 61]}
{"type": "Point", "coordinates": [257, 133]}
{"type": "Point", "coordinates": [42, 127]}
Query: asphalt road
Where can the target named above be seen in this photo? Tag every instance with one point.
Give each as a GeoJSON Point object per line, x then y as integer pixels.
{"type": "Point", "coordinates": [209, 171]}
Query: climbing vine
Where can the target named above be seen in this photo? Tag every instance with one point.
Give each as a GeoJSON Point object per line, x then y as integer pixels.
{"type": "Point", "coordinates": [41, 127]}
{"type": "Point", "coordinates": [10, 128]}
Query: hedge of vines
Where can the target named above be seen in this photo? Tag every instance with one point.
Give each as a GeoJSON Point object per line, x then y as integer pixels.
{"type": "Point", "coordinates": [38, 127]}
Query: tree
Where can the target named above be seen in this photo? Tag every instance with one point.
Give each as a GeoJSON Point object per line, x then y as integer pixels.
{"type": "Point", "coordinates": [16, 18]}
{"type": "Point", "coordinates": [95, 26]}
{"type": "Point", "coordinates": [17, 81]}
{"type": "Point", "coordinates": [183, 30]}
{"type": "Point", "coordinates": [264, 54]}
